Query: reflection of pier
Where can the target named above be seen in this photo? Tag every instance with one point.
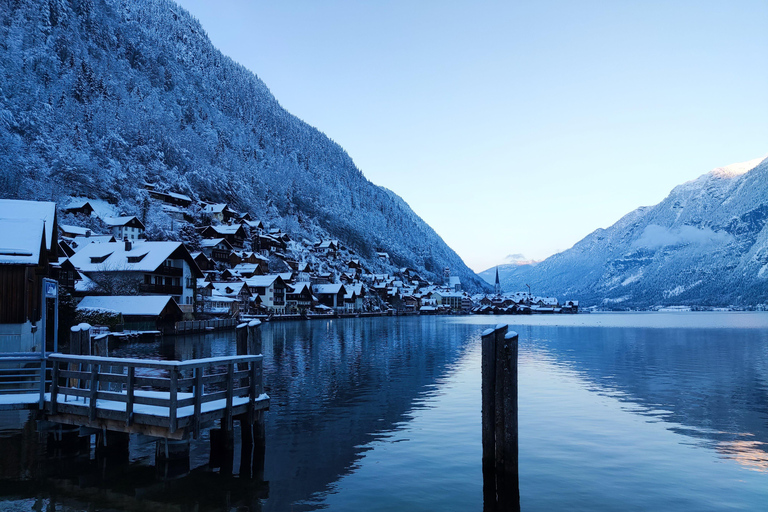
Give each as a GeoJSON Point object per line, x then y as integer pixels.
{"type": "Point", "coordinates": [171, 401]}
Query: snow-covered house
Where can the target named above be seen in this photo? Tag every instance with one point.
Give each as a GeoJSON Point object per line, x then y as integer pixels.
{"type": "Point", "coordinates": [238, 290]}
{"type": "Point", "coordinates": [218, 249]}
{"type": "Point", "coordinates": [140, 312]}
{"type": "Point", "coordinates": [151, 268]}
{"type": "Point", "coordinates": [330, 295]}
{"type": "Point", "coordinates": [271, 289]}
{"type": "Point", "coordinates": [234, 234]}
{"type": "Point", "coordinates": [299, 297]}
{"type": "Point", "coordinates": [171, 198]}
{"type": "Point", "coordinates": [354, 297]}
{"type": "Point", "coordinates": [126, 227]}
{"type": "Point", "coordinates": [27, 248]}
{"type": "Point", "coordinates": [219, 211]}
{"type": "Point", "coordinates": [78, 206]}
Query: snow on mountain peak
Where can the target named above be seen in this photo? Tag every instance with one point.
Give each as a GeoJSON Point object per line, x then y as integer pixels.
{"type": "Point", "coordinates": [733, 170]}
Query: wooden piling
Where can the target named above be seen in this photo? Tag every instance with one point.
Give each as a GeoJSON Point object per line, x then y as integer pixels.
{"type": "Point", "coordinates": [499, 419]}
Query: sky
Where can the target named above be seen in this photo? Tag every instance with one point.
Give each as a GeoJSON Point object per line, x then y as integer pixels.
{"type": "Point", "coordinates": [514, 128]}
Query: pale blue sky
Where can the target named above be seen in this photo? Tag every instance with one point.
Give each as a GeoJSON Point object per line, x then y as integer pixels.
{"type": "Point", "coordinates": [514, 127]}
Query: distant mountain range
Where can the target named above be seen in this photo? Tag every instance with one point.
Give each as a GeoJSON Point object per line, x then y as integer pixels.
{"type": "Point", "coordinates": [706, 244]}
{"type": "Point", "coordinates": [99, 96]}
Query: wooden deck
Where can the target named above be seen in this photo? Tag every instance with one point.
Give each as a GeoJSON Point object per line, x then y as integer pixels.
{"type": "Point", "coordinates": [169, 399]}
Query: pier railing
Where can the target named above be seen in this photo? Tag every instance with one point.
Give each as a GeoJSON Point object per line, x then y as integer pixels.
{"type": "Point", "coordinates": [150, 396]}
{"type": "Point", "coordinates": [22, 374]}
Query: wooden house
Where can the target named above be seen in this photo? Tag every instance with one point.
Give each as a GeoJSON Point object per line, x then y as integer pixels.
{"type": "Point", "coordinates": [234, 234]}
{"type": "Point", "coordinates": [171, 198]}
{"type": "Point", "coordinates": [271, 289]}
{"type": "Point", "coordinates": [299, 298]}
{"type": "Point", "coordinates": [218, 249]}
{"type": "Point", "coordinates": [78, 207]}
{"type": "Point", "coordinates": [28, 234]}
{"type": "Point", "coordinates": [330, 295]}
{"type": "Point", "coordinates": [140, 313]}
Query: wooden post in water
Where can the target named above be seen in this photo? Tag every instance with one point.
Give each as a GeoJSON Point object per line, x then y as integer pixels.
{"type": "Point", "coordinates": [499, 412]}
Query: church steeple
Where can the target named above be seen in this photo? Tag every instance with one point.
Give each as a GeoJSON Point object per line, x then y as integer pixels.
{"type": "Point", "coordinates": [498, 284]}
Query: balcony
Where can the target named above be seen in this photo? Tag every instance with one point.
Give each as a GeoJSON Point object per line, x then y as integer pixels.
{"type": "Point", "coordinates": [161, 289]}
{"type": "Point", "coordinates": [165, 270]}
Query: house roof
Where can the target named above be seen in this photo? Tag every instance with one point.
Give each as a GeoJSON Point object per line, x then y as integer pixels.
{"type": "Point", "coordinates": [226, 229]}
{"type": "Point", "coordinates": [121, 221]}
{"type": "Point", "coordinates": [144, 257]}
{"type": "Point", "coordinates": [130, 305]}
{"type": "Point", "coordinates": [229, 288]}
{"type": "Point", "coordinates": [213, 242]}
{"type": "Point", "coordinates": [75, 230]}
{"type": "Point", "coordinates": [46, 211]}
{"type": "Point", "coordinates": [329, 289]}
{"type": "Point", "coordinates": [215, 208]}
{"type": "Point", "coordinates": [299, 287]}
{"type": "Point", "coordinates": [81, 241]}
{"type": "Point", "coordinates": [263, 281]}
{"type": "Point", "coordinates": [21, 241]}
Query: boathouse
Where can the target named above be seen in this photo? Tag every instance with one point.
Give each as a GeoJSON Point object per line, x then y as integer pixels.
{"type": "Point", "coordinates": [140, 312]}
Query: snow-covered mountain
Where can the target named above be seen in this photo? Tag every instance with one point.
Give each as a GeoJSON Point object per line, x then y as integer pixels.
{"type": "Point", "coordinates": [100, 96]}
{"type": "Point", "coordinates": [706, 244]}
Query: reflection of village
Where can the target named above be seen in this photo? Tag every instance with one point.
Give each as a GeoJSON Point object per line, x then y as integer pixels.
{"type": "Point", "coordinates": [224, 265]}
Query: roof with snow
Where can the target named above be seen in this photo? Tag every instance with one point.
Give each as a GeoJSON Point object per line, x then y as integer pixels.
{"type": "Point", "coordinates": [21, 241]}
{"type": "Point", "coordinates": [329, 289]}
{"type": "Point", "coordinates": [121, 221]}
{"type": "Point", "coordinates": [130, 305]}
{"type": "Point", "coordinates": [43, 210]}
{"type": "Point", "coordinates": [263, 281]}
{"type": "Point", "coordinates": [141, 257]}
{"type": "Point", "coordinates": [74, 230]}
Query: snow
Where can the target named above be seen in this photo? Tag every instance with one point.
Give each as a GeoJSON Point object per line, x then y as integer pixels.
{"type": "Point", "coordinates": [156, 254]}
{"type": "Point", "coordinates": [45, 211]}
{"type": "Point", "coordinates": [733, 170]}
{"type": "Point", "coordinates": [118, 221]}
{"type": "Point", "coordinates": [20, 240]}
{"type": "Point", "coordinates": [132, 305]}
{"type": "Point", "coordinates": [75, 230]}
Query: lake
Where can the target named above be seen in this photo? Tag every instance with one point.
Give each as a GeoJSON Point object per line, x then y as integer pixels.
{"type": "Point", "coordinates": [619, 411]}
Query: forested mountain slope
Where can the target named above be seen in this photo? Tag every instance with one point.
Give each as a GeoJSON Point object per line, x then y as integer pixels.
{"type": "Point", "coordinates": [99, 96]}
{"type": "Point", "coordinates": [706, 244]}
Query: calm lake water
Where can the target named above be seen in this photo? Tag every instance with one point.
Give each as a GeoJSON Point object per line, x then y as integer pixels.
{"type": "Point", "coordinates": [640, 411]}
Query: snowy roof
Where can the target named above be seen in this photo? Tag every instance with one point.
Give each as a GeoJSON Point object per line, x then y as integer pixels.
{"type": "Point", "coordinates": [75, 230]}
{"type": "Point", "coordinates": [81, 241]}
{"type": "Point", "coordinates": [454, 280]}
{"type": "Point", "coordinates": [120, 221]}
{"type": "Point", "coordinates": [21, 241]}
{"type": "Point", "coordinates": [46, 211]}
{"type": "Point", "coordinates": [300, 286]}
{"type": "Point", "coordinates": [129, 305]}
{"type": "Point", "coordinates": [213, 242]}
{"type": "Point", "coordinates": [262, 281]}
{"type": "Point", "coordinates": [76, 203]}
{"type": "Point", "coordinates": [215, 208]}
{"type": "Point", "coordinates": [228, 288]}
{"type": "Point", "coordinates": [227, 230]}
{"type": "Point", "coordinates": [144, 256]}
{"type": "Point", "coordinates": [328, 289]}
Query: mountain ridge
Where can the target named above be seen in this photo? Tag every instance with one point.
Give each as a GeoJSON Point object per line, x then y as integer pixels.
{"type": "Point", "coordinates": [705, 244]}
{"type": "Point", "coordinates": [99, 96]}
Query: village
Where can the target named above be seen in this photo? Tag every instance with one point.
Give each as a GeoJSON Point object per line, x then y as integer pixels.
{"type": "Point", "coordinates": [230, 268]}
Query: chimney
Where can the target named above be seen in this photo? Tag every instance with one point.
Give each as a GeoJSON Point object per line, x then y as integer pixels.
{"type": "Point", "coordinates": [127, 245]}
{"type": "Point", "coordinates": [87, 233]}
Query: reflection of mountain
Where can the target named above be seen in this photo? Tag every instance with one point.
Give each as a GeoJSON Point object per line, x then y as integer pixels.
{"type": "Point", "coordinates": [336, 386]}
{"type": "Point", "coordinates": [709, 384]}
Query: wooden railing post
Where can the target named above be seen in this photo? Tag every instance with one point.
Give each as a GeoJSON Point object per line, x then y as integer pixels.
{"type": "Point", "coordinates": [173, 399]}
{"type": "Point", "coordinates": [54, 387]}
{"type": "Point", "coordinates": [198, 399]}
{"type": "Point", "coordinates": [230, 392]}
{"type": "Point", "coordinates": [94, 390]}
{"type": "Point", "coordinates": [130, 391]}
{"type": "Point", "coordinates": [42, 383]}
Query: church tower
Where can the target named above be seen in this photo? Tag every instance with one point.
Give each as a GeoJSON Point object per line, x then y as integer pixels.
{"type": "Point", "coordinates": [498, 284]}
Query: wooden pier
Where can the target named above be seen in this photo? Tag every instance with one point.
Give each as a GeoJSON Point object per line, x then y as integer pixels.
{"type": "Point", "coordinates": [165, 399]}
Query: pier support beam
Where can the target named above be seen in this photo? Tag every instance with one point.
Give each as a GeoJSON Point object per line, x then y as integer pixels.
{"type": "Point", "coordinates": [222, 454]}
{"type": "Point", "coordinates": [172, 458]}
{"type": "Point", "coordinates": [501, 489]}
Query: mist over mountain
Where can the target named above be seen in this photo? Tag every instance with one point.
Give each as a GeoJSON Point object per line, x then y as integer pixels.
{"type": "Point", "coordinates": [706, 244]}
{"type": "Point", "coordinates": [100, 96]}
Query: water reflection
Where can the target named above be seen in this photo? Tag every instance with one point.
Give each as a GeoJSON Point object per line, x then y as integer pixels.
{"type": "Point", "coordinates": [710, 385]}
